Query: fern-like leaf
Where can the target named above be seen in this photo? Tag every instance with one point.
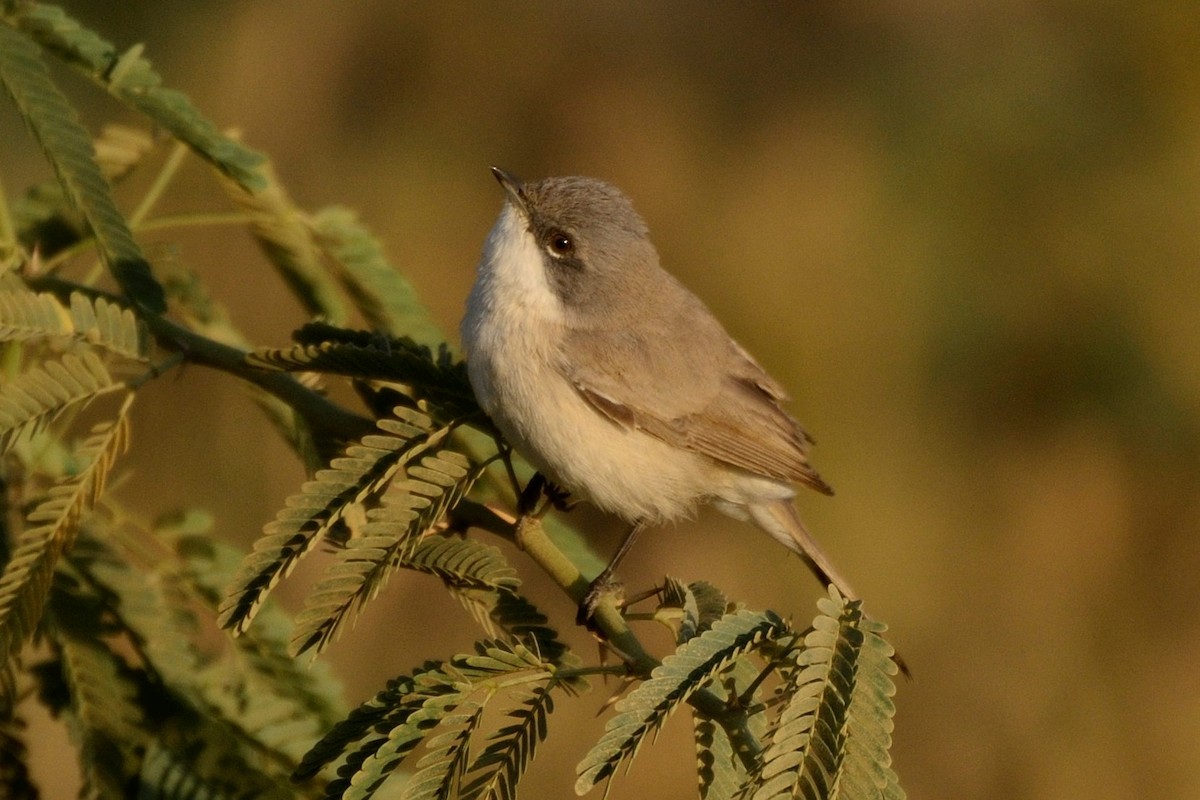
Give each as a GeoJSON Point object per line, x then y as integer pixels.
{"type": "Point", "coordinates": [441, 769]}
{"type": "Point", "coordinates": [436, 695]}
{"type": "Point", "coordinates": [438, 379]}
{"type": "Point", "coordinates": [840, 691]}
{"type": "Point", "coordinates": [28, 315]}
{"type": "Point", "coordinates": [384, 296]}
{"type": "Point", "coordinates": [695, 605]}
{"type": "Point", "coordinates": [867, 768]}
{"type": "Point", "coordinates": [106, 324]}
{"type": "Point", "coordinates": [35, 398]}
{"type": "Point", "coordinates": [506, 614]}
{"type": "Point", "coordinates": [499, 768]}
{"type": "Point", "coordinates": [129, 77]}
{"type": "Point", "coordinates": [260, 658]}
{"type": "Point", "coordinates": [322, 502]}
{"type": "Point", "coordinates": [717, 766]}
{"type": "Point", "coordinates": [68, 147]}
{"type": "Point", "coordinates": [393, 703]}
{"type": "Point", "coordinates": [167, 776]}
{"type": "Point", "coordinates": [26, 580]}
{"type": "Point", "coordinates": [680, 675]}
{"type": "Point", "coordinates": [463, 563]}
{"type": "Point", "coordinates": [410, 509]}
{"type": "Point", "coordinates": [104, 719]}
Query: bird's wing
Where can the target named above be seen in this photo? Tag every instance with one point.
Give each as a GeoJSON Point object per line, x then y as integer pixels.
{"type": "Point", "coordinates": [702, 393]}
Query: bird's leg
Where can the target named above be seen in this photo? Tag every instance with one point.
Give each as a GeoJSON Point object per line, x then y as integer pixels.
{"type": "Point", "coordinates": [538, 487]}
{"type": "Point", "coordinates": [530, 495]}
{"type": "Point", "coordinates": [604, 584]}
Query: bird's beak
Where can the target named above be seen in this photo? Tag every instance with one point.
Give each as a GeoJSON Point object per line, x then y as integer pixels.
{"type": "Point", "coordinates": [513, 188]}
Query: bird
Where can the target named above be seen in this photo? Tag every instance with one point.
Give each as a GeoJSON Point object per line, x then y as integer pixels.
{"type": "Point", "coordinates": [617, 383]}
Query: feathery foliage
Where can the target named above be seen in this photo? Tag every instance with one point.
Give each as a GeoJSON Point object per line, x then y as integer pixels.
{"type": "Point", "coordinates": [113, 623]}
{"type": "Point", "coordinates": [69, 150]}
{"type": "Point", "coordinates": [360, 475]}
{"type": "Point", "coordinates": [440, 707]}
{"type": "Point", "coordinates": [833, 733]}
{"type": "Point", "coordinates": [32, 400]}
{"type": "Point", "coordinates": [30, 316]}
{"type": "Point", "coordinates": [409, 509]}
{"type": "Point", "coordinates": [681, 674]}
{"type": "Point", "coordinates": [129, 77]}
{"type": "Point", "coordinates": [27, 575]}
{"type": "Point", "coordinates": [289, 244]}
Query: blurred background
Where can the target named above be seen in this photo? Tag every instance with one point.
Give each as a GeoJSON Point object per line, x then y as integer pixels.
{"type": "Point", "coordinates": [965, 236]}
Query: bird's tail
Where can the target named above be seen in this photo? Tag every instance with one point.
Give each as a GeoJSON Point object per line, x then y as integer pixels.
{"type": "Point", "coordinates": [780, 519]}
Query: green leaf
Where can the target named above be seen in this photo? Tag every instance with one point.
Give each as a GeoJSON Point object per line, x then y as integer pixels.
{"type": "Point", "coordinates": [26, 580]}
{"type": "Point", "coordinates": [410, 509]}
{"type": "Point", "coordinates": [31, 400]}
{"type": "Point", "coordinates": [168, 776]}
{"type": "Point", "coordinates": [498, 770]}
{"type": "Point", "coordinates": [364, 470]}
{"type": "Point", "coordinates": [717, 767]}
{"type": "Point", "coordinates": [105, 324]}
{"type": "Point", "coordinates": [68, 147]}
{"type": "Point", "coordinates": [130, 78]}
{"type": "Point", "coordinates": [105, 719]}
{"type": "Point", "coordinates": [437, 378]}
{"type": "Point", "coordinates": [441, 769]}
{"type": "Point", "coordinates": [680, 675]}
{"type": "Point", "coordinates": [26, 315]}
{"type": "Point", "coordinates": [463, 563]}
{"type": "Point", "coordinates": [833, 732]}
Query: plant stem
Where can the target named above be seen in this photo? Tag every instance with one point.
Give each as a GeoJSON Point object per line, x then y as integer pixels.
{"type": "Point", "coordinates": [531, 538]}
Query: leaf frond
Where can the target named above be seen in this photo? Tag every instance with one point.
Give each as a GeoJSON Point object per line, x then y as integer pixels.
{"type": "Point", "coordinates": [168, 776]}
{"type": "Point", "coordinates": [280, 229]}
{"type": "Point", "coordinates": [111, 326]}
{"type": "Point", "coordinates": [410, 509]}
{"type": "Point", "coordinates": [463, 563]}
{"type": "Point", "coordinates": [498, 769]}
{"type": "Point", "coordinates": [681, 674]}
{"type": "Point", "coordinates": [26, 315]}
{"type": "Point", "coordinates": [362, 472]}
{"type": "Point", "coordinates": [437, 378]}
{"type": "Point", "coordinates": [129, 77]}
{"type": "Point", "coordinates": [832, 734]}
{"type": "Point", "coordinates": [27, 576]}
{"type": "Point", "coordinates": [120, 149]}
{"type": "Point", "coordinates": [33, 399]}
{"type": "Point", "coordinates": [440, 771]}
{"type": "Point", "coordinates": [104, 713]}
{"type": "Point", "coordinates": [68, 147]}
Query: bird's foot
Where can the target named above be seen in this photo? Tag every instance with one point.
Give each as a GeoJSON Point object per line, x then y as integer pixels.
{"type": "Point", "coordinates": [559, 497]}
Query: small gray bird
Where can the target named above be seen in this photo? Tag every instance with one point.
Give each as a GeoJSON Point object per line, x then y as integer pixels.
{"type": "Point", "coordinates": [616, 382]}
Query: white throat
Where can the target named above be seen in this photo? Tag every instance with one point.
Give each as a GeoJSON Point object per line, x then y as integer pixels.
{"type": "Point", "coordinates": [512, 271]}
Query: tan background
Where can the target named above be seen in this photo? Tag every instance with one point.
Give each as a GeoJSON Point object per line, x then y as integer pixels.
{"type": "Point", "coordinates": [964, 235]}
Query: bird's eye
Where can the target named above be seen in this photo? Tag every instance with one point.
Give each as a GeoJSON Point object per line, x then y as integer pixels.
{"type": "Point", "coordinates": [560, 244]}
